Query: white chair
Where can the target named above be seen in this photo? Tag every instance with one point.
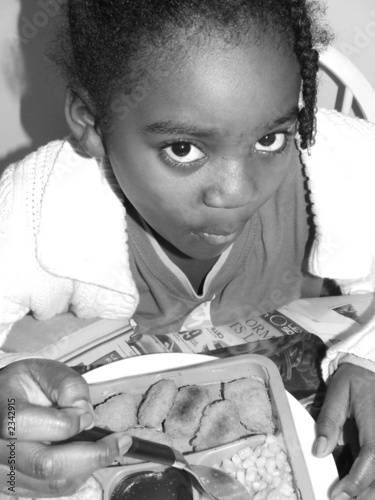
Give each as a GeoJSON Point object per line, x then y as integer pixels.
{"type": "Point", "coordinates": [354, 92]}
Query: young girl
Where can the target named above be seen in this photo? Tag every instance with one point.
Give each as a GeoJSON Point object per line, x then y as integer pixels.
{"type": "Point", "coordinates": [183, 186]}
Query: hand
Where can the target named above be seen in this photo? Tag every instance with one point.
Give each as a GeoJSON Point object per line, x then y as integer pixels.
{"type": "Point", "coordinates": [351, 393]}
{"type": "Point", "coordinates": [51, 403]}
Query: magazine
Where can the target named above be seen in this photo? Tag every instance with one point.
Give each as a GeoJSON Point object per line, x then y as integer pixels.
{"type": "Point", "coordinates": [92, 343]}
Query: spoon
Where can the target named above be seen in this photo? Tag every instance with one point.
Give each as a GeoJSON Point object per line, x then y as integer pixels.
{"type": "Point", "coordinates": [213, 482]}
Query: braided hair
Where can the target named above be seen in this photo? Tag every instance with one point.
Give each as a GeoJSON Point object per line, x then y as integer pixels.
{"type": "Point", "coordinates": [103, 43]}
{"type": "Point", "coordinates": [308, 58]}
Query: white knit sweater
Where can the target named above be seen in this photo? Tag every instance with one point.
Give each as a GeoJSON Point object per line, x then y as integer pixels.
{"type": "Point", "coordinates": [63, 241]}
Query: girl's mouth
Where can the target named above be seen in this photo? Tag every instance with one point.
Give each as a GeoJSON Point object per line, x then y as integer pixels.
{"type": "Point", "coordinates": [215, 238]}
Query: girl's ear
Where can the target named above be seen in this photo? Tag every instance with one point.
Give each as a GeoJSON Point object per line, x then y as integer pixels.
{"type": "Point", "coordinates": [82, 124]}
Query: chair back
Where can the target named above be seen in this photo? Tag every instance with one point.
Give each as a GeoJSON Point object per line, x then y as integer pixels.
{"type": "Point", "coordinates": [355, 95]}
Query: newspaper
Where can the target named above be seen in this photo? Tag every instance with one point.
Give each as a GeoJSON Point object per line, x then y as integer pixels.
{"type": "Point", "coordinates": [332, 318]}
{"type": "Point", "coordinates": [93, 343]}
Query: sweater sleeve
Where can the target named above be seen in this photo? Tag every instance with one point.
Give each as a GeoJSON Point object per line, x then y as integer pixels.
{"type": "Point", "coordinates": [358, 349]}
{"type": "Point", "coordinates": [24, 286]}
{"type": "Point", "coordinates": [341, 173]}
{"type": "Point", "coordinates": [19, 270]}
{"type": "Point", "coordinates": [13, 287]}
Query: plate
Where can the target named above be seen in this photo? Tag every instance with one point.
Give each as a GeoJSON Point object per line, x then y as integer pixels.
{"type": "Point", "coordinates": [141, 365]}
{"type": "Point", "coordinates": [323, 471]}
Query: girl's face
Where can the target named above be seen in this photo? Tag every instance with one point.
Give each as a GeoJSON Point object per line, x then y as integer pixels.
{"type": "Point", "coordinates": [199, 150]}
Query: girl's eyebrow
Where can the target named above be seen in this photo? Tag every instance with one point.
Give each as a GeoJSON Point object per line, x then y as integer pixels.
{"type": "Point", "coordinates": [290, 115]}
{"type": "Point", "coordinates": [173, 127]}
{"type": "Point", "coordinates": [180, 128]}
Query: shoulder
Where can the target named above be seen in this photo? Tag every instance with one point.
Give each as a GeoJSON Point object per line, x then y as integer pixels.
{"type": "Point", "coordinates": [23, 184]}
{"type": "Point", "coordinates": [33, 170]}
{"type": "Point", "coordinates": [344, 145]}
{"type": "Point", "coordinates": [341, 176]}
{"type": "Point", "coordinates": [36, 166]}
{"type": "Point", "coordinates": [333, 125]}
{"type": "Point", "coordinates": [42, 157]}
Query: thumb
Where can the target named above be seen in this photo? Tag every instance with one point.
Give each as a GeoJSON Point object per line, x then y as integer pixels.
{"type": "Point", "coordinates": [332, 417]}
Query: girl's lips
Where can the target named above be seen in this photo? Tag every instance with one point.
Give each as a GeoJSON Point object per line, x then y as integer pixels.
{"type": "Point", "coordinates": [216, 239]}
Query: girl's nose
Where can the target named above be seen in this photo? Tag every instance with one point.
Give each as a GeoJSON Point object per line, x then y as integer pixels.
{"type": "Point", "coordinates": [229, 185]}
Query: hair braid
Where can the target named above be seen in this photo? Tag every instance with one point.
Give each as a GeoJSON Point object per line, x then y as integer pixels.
{"type": "Point", "coordinates": [308, 58]}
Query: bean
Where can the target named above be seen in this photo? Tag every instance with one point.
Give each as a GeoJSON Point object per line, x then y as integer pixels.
{"type": "Point", "coordinates": [263, 468]}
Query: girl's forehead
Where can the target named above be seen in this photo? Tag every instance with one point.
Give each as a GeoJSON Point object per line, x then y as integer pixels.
{"type": "Point", "coordinates": [243, 86]}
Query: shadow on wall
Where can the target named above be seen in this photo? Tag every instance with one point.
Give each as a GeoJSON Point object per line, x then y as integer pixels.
{"type": "Point", "coordinates": [42, 102]}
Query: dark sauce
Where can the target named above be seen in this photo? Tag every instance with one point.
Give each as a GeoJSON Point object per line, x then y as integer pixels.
{"type": "Point", "coordinates": [170, 484]}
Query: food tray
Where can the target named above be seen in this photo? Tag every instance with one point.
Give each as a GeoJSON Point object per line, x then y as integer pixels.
{"type": "Point", "coordinates": [222, 370]}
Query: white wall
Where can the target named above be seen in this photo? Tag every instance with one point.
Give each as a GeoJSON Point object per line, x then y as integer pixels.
{"type": "Point", "coordinates": [353, 23]}
{"type": "Point", "coordinates": [31, 98]}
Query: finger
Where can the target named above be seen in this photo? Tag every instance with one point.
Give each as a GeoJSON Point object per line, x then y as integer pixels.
{"type": "Point", "coordinates": [360, 477]}
{"type": "Point", "coordinates": [69, 460]}
{"type": "Point", "coordinates": [61, 384]}
{"type": "Point", "coordinates": [15, 482]}
{"type": "Point", "coordinates": [44, 382]}
{"type": "Point", "coordinates": [332, 417]}
{"type": "Point", "coordinates": [44, 461]}
{"type": "Point", "coordinates": [40, 423]}
{"type": "Point", "coordinates": [368, 494]}
{"type": "Point", "coordinates": [61, 469]}
{"type": "Point", "coordinates": [362, 472]}
{"type": "Point", "coordinates": [50, 401]}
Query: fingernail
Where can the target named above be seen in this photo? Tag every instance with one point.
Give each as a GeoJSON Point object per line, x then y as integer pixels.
{"type": "Point", "coordinates": [341, 496]}
{"type": "Point", "coordinates": [320, 446]}
{"type": "Point", "coordinates": [84, 405]}
{"type": "Point", "coordinates": [124, 443]}
{"type": "Point", "coordinates": [85, 421]}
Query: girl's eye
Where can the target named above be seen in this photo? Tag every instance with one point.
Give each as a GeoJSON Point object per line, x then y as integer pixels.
{"type": "Point", "coordinates": [183, 152]}
{"type": "Point", "coordinates": [272, 143]}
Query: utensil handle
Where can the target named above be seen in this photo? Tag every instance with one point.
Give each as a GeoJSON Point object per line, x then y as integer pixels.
{"type": "Point", "coordinates": [140, 448]}
{"type": "Point", "coordinates": [90, 435]}
{"type": "Point", "coordinates": [151, 451]}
